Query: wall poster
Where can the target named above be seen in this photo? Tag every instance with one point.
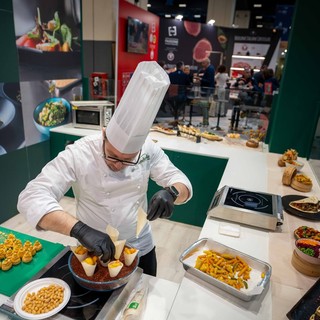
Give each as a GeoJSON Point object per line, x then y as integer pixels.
{"type": "Point", "coordinates": [49, 44]}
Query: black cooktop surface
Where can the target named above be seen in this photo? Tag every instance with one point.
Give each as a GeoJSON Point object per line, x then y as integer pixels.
{"type": "Point", "coordinates": [83, 304]}
{"type": "Point", "coordinates": [254, 201]}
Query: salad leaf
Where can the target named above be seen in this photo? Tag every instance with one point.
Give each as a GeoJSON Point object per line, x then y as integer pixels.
{"type": "Point", "coordinates": [57, 20]}
{"type": "Point", "coordinates": [66, 34]}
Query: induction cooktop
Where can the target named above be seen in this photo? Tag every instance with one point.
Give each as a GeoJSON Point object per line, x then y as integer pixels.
{"type": "Point", "coordinates": [258, 209]}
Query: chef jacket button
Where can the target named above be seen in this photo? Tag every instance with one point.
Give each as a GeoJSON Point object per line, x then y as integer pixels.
{"type": "Point", "coordinates": [138, 202]}
{"type": "Point", "coordinates": [139, 187]}
{"type": "Point", "coordinates": [113, 210]}
{"type": "Point", "coordinates": [105, 175]}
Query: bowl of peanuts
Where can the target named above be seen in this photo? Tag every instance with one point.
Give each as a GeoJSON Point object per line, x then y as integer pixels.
{"type": "Point", "coordinates": [41, 298]}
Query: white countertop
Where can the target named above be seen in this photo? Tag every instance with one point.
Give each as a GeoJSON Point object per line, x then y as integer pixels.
{"type": "Point", "coordinates": [251, 169]}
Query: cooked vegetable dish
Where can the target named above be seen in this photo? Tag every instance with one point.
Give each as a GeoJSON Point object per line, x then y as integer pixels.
{"type": "Point", "coordinates": [53, 113]}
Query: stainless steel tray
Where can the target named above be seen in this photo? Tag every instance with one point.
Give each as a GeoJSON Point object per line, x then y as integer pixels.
{"type": "Point", "coordinates": [256, 284]}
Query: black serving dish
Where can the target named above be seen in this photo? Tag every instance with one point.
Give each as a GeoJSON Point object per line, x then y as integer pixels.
{"type": "Point", "coordinates": [307, 305]}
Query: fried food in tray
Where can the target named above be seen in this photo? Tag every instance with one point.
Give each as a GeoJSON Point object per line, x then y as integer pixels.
{"type": "Point", "coordinates": [217, 265]}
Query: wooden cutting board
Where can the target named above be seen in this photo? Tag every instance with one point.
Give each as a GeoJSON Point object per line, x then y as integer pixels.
{"type": "Point", "coordinates": [13, 279]}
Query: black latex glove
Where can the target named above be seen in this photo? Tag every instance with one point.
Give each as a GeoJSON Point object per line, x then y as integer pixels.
{"type": "Point", "coordinates": [95, 241]}
{"type": "Point", "coordinates": [160, 206]}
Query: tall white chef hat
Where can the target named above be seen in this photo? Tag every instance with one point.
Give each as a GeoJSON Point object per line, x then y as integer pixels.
{"type": "Point", "coordinates": [131, 122]}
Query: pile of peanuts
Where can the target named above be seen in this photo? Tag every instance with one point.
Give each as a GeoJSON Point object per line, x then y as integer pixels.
{"type": "Point", "coordinates": [43, 301]}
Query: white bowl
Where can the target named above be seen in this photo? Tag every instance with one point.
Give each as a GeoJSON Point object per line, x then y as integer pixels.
{"type": "Point", "coordinates": [305, 256]}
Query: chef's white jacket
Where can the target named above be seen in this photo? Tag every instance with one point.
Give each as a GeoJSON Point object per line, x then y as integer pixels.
{"type": "Point", "coordinates": [102, 196]}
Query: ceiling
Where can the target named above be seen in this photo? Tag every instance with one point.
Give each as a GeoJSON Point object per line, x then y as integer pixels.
{"type": "Point", "coordinates": [199, 7]}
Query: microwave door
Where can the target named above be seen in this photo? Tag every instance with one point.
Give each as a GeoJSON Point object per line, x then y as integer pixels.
{"type": "Point", "coordinates": [88, 118]}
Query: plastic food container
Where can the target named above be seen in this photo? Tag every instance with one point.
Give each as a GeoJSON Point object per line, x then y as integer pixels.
{"type": "Point", "coordinates": [256, 284]}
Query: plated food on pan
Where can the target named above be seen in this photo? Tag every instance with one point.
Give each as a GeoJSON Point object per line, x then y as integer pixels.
{"type": "Point", "coordinates": [307, 205]}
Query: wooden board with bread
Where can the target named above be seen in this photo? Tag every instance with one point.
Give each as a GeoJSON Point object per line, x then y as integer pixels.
{"type": "Point", "coordinates": [164, 130]}
{"type": "Point", "coordinates": [211, 136]}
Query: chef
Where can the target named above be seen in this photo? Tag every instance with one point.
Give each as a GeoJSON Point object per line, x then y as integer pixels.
{"type": "Point", "coordinates": [109, 174]}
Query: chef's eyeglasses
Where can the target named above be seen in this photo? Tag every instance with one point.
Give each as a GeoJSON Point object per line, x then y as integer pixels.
{"type": "Point", "coordinates": [124, 162]}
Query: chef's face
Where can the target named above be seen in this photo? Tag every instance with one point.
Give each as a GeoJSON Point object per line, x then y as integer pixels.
{"type": "Point", "coordinates": [116, 160]}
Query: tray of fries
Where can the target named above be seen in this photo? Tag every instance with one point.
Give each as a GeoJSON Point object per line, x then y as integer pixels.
{"type": "Point", "coordinates": [228, 269]}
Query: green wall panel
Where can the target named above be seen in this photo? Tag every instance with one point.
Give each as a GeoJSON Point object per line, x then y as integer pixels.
{"type": "Point", "coordinates": [14, 177]}
{"type": "Point", "coordinates": [9, 71]}
{"type": "Point", "coordinates": [38, 157]}
{"type": "Point", "coordinates": [20, 167]}
{"type": "Point", "coordinates": [205, 175]}
{"type": "Point", "coordinates": [297, 109]}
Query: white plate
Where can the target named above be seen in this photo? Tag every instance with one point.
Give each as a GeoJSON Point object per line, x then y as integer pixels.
{"type": "Point", "coordinates": [35, 286]}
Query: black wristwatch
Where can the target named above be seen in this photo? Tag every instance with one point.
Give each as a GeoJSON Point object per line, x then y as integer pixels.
{"type": "Point", "coordinates": [173, 191]}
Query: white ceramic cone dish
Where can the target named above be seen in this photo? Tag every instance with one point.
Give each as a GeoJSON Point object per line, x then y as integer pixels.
{"type": "Point", "coordinates": [115, 270]}
{"type": "Point", "coordinates": [135, 113]}
{"type": "Point", "coordinates": [112, 232]}
{"type": "Point", "coordinates": [141, 220]}
{"type": "Point", "coordinates": [80, 257]}
{"type": "Point", "coordinates": [129, 257]}
{"type": "Point", "coordinates": [88, 268]}
{"type": "Point", "coordinates": [119, 245]}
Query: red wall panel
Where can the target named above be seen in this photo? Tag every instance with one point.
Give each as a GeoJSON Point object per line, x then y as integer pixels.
{"type": "Point", "coordinates": [127, 61]}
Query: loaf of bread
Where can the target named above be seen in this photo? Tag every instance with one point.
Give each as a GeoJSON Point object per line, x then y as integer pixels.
{"type": "Point", "coordinates": [252, 143]}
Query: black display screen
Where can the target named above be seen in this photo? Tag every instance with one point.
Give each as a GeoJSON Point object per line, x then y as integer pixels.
{"type": "Point", "coordinates": [249, 200]}
{"type": "Point", "coordinates": [88, 117]}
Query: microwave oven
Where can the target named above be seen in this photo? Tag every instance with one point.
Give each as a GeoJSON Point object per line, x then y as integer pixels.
{"type": "Point", "coordinates": [91, 114]}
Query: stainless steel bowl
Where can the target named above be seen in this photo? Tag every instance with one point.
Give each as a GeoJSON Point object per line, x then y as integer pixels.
{"type": "Point", "coordinates": [105, 285]}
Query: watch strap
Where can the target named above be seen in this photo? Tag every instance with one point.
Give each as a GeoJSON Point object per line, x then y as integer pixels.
{"type": "Point", "coordinates": [173, 191]}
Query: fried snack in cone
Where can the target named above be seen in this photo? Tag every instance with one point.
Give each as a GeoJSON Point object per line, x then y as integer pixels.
{"type": "Point", "coordinates": [89, 265]}
{"type": "Point", "coordinates": [112, 232]}
{"type": "Point", "coordinates": [129, 255]}
{"type": "Point", "coordinates": [119, 245]}
{"type": "Point", "coordinates": [114, 268]}
{"type": "Point", "coordinates": [80, 252]}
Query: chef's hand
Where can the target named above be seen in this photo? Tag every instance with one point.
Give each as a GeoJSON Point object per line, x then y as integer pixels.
{"type": "Point", "coordinates": [160, 206]}
{"type": "Point", "coordinates": [95, 241]}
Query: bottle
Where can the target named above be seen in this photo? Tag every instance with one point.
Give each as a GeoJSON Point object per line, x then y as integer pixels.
{"type": "Point", "coordinates": [135, 307]}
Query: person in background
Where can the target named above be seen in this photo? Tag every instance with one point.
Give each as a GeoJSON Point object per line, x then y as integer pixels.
{"type": "Point", "coordinates": [109, 173]}
{"type": "Point", "coordinates": [259, 76]}
{"type": "Point", "coordinates": [178, 89]}
{"type": "Point", "coordinates": [221, 79]}
{"type": "Point", "coordinates": [206, 77]}
{"type": "Point", "coordinates": [270, 84]}
{"type": "Point", "coordinates": [250, 93]}
{"type": "Point", "coordinates": [188, 72]}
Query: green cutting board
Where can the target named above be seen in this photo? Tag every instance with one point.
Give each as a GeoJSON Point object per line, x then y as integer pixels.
{"type": "Point", "coordinates": [17, 276]}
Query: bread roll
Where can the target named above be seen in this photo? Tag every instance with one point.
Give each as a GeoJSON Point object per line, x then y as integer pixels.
{"type": "Point", "coordinates": [252, 143]}
{"type": "Point", "coordinates": [288, 174]}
